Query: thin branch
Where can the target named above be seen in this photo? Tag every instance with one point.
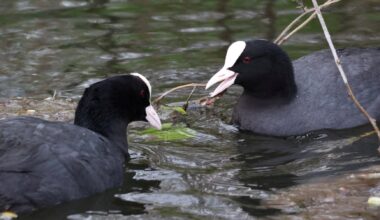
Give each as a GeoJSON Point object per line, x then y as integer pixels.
{"type": "Point", "coordinates": [289, 26]}
{"type": "Point", "coordinates": [54, 94]}
{"type": "Point", "coordinates": [280, 39]}
{"type": "Point", "coordinates": [297, 28]}
{"type": "Point", "coordinates": [176, 88]}
{"type": "Point", "coordinates": [341, 71]}
{"type": "Point", "coordinates": [188, 99]}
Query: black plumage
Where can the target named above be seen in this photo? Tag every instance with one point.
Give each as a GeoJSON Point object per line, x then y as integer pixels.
{"type": "Point", "coordinates": [45, 163]}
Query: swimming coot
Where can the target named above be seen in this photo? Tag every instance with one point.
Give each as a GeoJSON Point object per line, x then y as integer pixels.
{"type": "Point", "coordinates": [44, 163]}
{"type": "Point", "coordinates": [282, 99]}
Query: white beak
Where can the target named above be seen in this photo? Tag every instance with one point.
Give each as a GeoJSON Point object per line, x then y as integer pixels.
{"type": "Point", "coordinates": [152, 117]}
{"type": "Point", "coordinates": [225, 75]}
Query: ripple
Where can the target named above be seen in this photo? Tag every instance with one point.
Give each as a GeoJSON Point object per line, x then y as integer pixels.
{"type": "Point", "coordinates": [210, 206]}
{"type": "Point", "coordinates": [131, 55]}
{"type": "Point", "coordinates": [201, 16]}
{"type": "Point", "coordinates": [161, 199]}
{"type": "Point", "coordinates": [156, 175]}
{"type": "Point", "coordinates": [70, 4]}
{"type": "Point", "coordinates": [201, 29]}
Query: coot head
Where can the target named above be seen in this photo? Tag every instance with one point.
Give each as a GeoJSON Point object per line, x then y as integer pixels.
{"type": "Point", "coordinates": [108, 106]}
{"type": "Point", "coordinates": [262, 68]}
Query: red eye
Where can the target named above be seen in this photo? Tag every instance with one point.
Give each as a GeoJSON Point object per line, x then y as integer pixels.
{"type": "Point", "coordinates": [247, 59]}
{"type": "Point", "coordinates": [142, 93]}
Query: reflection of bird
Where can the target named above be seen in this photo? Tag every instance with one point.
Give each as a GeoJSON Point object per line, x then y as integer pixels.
{"type": "Point", "coordinates": [44, 163]}
{"type": "Point", "coordinates": [279, 101]}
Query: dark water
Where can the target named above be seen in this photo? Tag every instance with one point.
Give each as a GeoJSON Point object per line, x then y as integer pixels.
{"type": "Point", "coordinates": [220, 173]}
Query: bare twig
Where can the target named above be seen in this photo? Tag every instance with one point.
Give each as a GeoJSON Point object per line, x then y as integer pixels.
{"type": "Point", "coordinates": [54, 94]}
{"type": "Point", "coordinates": [207, 100]}
{"type": "Point", "coordinates": [280, 39]}
{"type": "Point", "coordinates": [188, 99]}
{"type": "Point", "coordinates": [176, 88]}
{"type": "Point", "coordinates": [288, 27]}
{"type": "Point", "coordinates": [341, 71]}
{"type": "Point", "coordinates": [301, 4]}
{"type": "Point", "coordinates": [296, 29]}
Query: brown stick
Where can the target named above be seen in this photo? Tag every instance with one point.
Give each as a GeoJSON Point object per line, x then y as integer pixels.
{"type": "Point", "coordinates": [289, 26]}
{"type": "Point", "coordinates": [176, 88]}
{"type": "Point", "coordinates": [297, 28]}
{"type": "Point", "coordinates": [188, 99]}
{"type": "Point", "coordinates": [280, 39]}
{"type": "Point", "coordinates": [341, 71]}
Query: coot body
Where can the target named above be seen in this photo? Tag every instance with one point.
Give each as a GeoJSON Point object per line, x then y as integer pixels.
{"type": "Point", "coordinates": [282, 98]}
{"type": "Point", "coordinates": [44, 163]}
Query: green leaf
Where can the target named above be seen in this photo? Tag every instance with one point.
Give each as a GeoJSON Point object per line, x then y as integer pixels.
{"type": "Point", "coordinates": [175, 108]}
{"type": "Point", "coordinates": [180, 110]}
{"type": "Point", "coordinates": [170, 132]}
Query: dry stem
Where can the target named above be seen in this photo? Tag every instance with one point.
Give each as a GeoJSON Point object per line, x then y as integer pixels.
{"type": "Point", "coordinates": [280, 39]}
{"type": "Point", "coordinates": [297, 28]}
{"type": "Point", "coordinates": [188, 99]}
{"type": "Point", "coordinates": [176, 88]}
{"type": "Point", "coordinates": [341, 71]}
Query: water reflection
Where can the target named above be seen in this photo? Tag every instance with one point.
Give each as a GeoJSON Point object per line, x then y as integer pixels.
{"type": "Point", "coordinates": [276, 163]}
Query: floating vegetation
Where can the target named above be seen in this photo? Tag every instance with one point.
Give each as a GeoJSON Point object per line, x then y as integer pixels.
{"type": "Point", "coordinates": [170, 132]}
{"type": "Point", "coordinates": [48, 109]}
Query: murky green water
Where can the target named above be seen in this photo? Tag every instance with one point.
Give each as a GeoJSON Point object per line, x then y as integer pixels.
{"type": "Point", "coordinates": [220, 173]}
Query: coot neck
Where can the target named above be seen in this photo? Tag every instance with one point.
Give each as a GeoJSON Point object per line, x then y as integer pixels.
{"type": "Point", "coordinates": [114, 129]}
{"type": "Point", "coordinates": [283, 92]}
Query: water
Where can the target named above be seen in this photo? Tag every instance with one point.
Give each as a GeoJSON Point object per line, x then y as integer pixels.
{"type": "Point", "coordinates": [61, 46]}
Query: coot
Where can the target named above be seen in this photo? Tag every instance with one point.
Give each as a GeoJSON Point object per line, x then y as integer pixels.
{"type": "Point", "coordinates": [282, 99]}
{"type": "Point", "coordinates": [44, 163]}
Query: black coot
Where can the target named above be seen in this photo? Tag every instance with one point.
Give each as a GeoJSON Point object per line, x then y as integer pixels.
{"type": "Point", "coordinates": [44, 163]}
{"type": "Point", "coordinates": [281, 98]}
